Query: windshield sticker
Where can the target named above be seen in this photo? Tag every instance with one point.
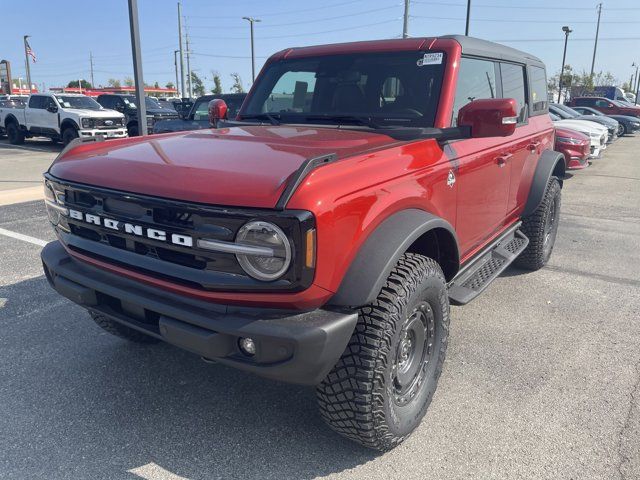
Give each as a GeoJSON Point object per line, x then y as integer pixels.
{"type": "Point", "coordinates": [431, 59]}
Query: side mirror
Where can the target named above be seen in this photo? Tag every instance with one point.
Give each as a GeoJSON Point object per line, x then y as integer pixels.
{"type": "Point", "coordinates": [491, 117]}
{"type": "Point", "coordinates": [217, 111]}
{"type": "Point", "coordinates": [52, 108]}
{"type": "Point", "coordinates": [120, 108]}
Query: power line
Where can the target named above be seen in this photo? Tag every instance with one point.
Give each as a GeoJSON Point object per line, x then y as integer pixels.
{"type": "Point", "coordinates": [290, 12]}
{"type": "Point", "coordinates": [502, 20]}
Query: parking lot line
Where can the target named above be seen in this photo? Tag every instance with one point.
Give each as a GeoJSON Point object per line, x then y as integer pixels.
{"type": "Point", "coordinates": [24, 238]}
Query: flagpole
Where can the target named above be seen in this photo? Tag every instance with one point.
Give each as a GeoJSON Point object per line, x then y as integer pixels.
{"type": "Point", "coordinates": [26, 57]}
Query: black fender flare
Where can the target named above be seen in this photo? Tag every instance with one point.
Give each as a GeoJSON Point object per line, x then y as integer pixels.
{"type": "Point", "coordinates": [66, 123]}
{"type": "Point", "coordinates": [550, 163]}
{"type": "Point", "coordinates": [380, 253]}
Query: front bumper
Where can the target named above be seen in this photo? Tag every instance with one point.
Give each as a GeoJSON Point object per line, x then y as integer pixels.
{"type": "Point", "coordinates": [95, 132]}
{"type": "Point", "coordinates": [291, 346]}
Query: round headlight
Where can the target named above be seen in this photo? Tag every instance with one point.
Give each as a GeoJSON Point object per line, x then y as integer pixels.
{"type": "Point", "coordinates": [271, 238]}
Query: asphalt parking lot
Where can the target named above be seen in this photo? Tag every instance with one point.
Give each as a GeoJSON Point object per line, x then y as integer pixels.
{"type": "Point", "coordinates": [541, 379]}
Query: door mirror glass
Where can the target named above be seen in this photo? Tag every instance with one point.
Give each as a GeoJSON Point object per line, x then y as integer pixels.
{"type": "Point", "coordinates": [491, 117]}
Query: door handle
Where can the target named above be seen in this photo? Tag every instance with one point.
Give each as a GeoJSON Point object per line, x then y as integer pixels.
{"type": "Point", "coordinates": [533, 146]}
{"type": "Point", "coordinates": [502, 159]}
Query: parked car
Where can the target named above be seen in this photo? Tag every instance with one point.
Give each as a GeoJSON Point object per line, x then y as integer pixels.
{"type": "Point", "coordinates": [198, 116]}
{"type": "Point", "coordinates": [627, 123]}
{"type": "Point", "coordinates": [606, 106]}
{"type": "Point", "coordinates": [126, 104]}
{"type": "Point", "coordinates": [597, 133]}
{"type": "Point", "coordinates": [568, 113]}
{"type": "Point", "coordinates": [320, 237]}
{"type": "Point", "coordinates": [180, 105]}
{"type": "Point", "coordinates": [575, 146]}
{"type": "Point", "coordinates": [61, 117]}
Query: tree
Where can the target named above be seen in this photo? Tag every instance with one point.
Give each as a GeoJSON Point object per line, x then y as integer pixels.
{"type": "Point", "coordinates": [197, 85]}
{"type": "Point", "coordinates": [170, 85]}
{"type": "Point", "coordinates": [217, 83]}
{"type": "Point", "coordinates": [113, 82]}
{"type": "Point", "coordinates": [74, 84]}
{"type": "Point", "coordinates": [128, 81]}
{"type": "Point", "coordinates": [156, 85]}
{"type": "Point", "coordinates": [237, 83]}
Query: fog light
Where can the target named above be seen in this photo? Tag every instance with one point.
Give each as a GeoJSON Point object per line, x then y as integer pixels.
{"type": "Point", "coordinates": [247, 346]}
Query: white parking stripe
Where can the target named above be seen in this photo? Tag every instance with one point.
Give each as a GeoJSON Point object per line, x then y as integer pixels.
{"type": "Point", "coordinates": [153, 471]}
{"type": "Point", "coordinates": [24, 238]}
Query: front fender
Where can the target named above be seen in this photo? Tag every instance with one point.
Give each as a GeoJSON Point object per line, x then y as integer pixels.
{"type": "Point", "coordinates": [550, 163]}
{"type": "Point", "coordinates": [380, 253]}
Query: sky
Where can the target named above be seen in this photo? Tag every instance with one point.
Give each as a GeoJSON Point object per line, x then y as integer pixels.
{"type": "Point", "coordinates": [63, 33]}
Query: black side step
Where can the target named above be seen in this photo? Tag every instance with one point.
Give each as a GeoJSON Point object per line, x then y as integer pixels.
{"type": "Point", "coordinates": [484, 269]}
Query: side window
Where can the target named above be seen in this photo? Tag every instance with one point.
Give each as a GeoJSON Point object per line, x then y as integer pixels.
{"type": "Point", "coordinates": [476, 80]}
{"type": "Point", "coordinates": [48, 102]}
{"type": "Point", "coordinates": [602, 103]}
{"type": "Point", "coordinates": [512, 77]}
{"type": "Point", "coordinates": [292, 93]}
{"type": "Point", "coordinates": [539, 96]}
{"type": "Point", "coordinates": [36, 101]}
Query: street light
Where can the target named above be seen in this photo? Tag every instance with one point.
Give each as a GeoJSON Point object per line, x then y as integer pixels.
{"type": "Point", "coordinates": [251, 21]}
{"type": "Point", "coordinates": [635, 83]}
{"type": "Point", "coordinates": [566, 31]}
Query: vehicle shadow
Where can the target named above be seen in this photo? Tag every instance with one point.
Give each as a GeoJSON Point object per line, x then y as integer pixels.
{"type": "Point", "coordinates": [102, 406]}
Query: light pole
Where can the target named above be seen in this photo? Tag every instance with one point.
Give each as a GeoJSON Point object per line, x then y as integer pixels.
{"type": "Point", "coordinates": [634, 82]}
{"type": "Point", "coordinates": [175, 64]}
{"type": "Point", "coordinates": [566, 31]}
{"type": "Point", "coordinates": [466, 28]}
{"type": "Point", "coordinates": [27, 52]}
{"type": "Point", "coordinates": [251, 21]}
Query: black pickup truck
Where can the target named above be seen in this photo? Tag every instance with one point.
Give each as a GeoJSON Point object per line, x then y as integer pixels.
{"type": "Point", "coordinates": [198, 117]}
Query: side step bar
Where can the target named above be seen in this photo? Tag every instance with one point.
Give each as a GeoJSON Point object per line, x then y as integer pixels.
{"type": "Point", "coordinates": [485, 268]}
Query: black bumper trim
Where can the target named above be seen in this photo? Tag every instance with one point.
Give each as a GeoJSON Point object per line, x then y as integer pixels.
{"type": "Point", "coordinates": [292, 346]}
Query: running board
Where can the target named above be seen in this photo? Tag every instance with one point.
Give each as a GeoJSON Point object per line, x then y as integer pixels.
{"type": "Point", "coordinates": [474, 278]}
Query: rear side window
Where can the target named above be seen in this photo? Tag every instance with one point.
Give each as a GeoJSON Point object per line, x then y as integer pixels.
{"type": "Point", "coordinates": [36, 102]}
{"type": "Point", "coordinates": [539, 96]}
{"type": "Point", "coordinates": [512, 77]}
{"type": "Point", "coordinates": [602, 103]}
{"type": "Point", "coordinates": [476, 80]}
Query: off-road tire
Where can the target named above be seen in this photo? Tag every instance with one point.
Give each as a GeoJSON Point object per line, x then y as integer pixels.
{"type": "Point", "coordinates": [69, 134]}
{"type": "Point", "coordinates": [133, 131]}
{"type": "Point", "coordinates": [16, 137]}
{"type": "Point", "coordinates": [535, 227]}
{"type": "Point", "coordinates": [358, 398]}
{"type": "Point", "coordinates": [122, 331]}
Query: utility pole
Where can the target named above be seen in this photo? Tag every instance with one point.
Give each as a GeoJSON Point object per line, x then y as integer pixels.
{"type": "Point", "coordinates": [466, 28]}
{"type": "Point", "coordinates": [566, 31]}
{"type": "Point", "coordinates": [182, 82]}
{"type": "Point", "coordinates": [251, 21]}
{"type": "Point", "coordinates": [26, 59]}
{"type": "Point", "coordinates": [189, 68]}
{"type": "Point", "coordinates": [137, 66]}
{"type": "Point", "coordinates": [595, 45]}
{"type": "Point", "coordinates": [405, 23]}
{"type": "Point", "coordinates": [93, 85]}
{"type": "Point", "coordinates": [175, 64]}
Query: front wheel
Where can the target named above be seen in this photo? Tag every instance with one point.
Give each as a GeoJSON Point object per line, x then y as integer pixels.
{"type": "Point", "coordinates": [382, 385]}
{"type": "Point", "coordinates": [16, 136]}
{"type": "Point", "coordinates": [69, 135]}
{"type": "Point", "coordinates": [541, 227]}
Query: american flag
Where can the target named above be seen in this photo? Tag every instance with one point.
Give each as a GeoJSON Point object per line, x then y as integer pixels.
{"type": "Point", "coordinates": [30, 52]}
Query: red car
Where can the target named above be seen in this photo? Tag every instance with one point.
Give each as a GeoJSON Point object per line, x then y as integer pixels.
{"type": "Point", "coordinates": [606, 106]}
{"type": "Point", "coordinates": [320, 236]}
{"type": "Point", "coordinates": [575, 147]}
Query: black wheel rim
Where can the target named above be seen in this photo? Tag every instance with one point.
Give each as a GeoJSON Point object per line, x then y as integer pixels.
{"type": "Point", "coordinates": [413, 353]}
{"type": "Point", "coordinates": [551, 226]}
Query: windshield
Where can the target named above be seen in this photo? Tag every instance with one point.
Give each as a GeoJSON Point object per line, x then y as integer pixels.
{"type": "Point", "coordinates": [383, 89]}
{"type": "Point", "coordinates": [570, 112]}
{"type": "Point", "coordinates": [149, 102]}
{"type": "Point", "coordinates": [68, 101]}
{"type": "Point", "coordinates": [590, 111]}
{"type": "Point", "coordinates": [560, 112]}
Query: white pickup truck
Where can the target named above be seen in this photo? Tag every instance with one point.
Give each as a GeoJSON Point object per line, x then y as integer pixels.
{"type": "Point", "coordinates": [61, 117]}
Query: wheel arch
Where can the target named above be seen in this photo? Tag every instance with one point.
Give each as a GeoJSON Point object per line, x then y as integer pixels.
{"type": "Point", "coordinates": [9, 119]}
{"type": "Point", "coordinates": [411, 230]}
{"type": "Point", "coordinates": [68, 123]}
{"type": "Point", "coordinates": [551, 163]}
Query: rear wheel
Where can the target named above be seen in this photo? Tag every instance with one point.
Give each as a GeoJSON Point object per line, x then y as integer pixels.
{"type": "Point", "coordinates": [68, 135]}
{"type": "Point", "coordinates": [122, 331]}
{"type": "Point", "coordinates": [541, 228]}
{"type": "Point", "coordinates": [382, 385]}
{"type": "Point", "coordinates": [624, 130]}
{"type": "Point", "coordinates": [16, 136]}
{"type": "Point", "coordinates": [621, 130]}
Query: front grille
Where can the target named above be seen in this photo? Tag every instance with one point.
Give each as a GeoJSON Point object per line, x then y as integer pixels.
{"type": "Point", "coordinates": [102, 123]}
{"type": "Point", "coordinates": [183, 264]}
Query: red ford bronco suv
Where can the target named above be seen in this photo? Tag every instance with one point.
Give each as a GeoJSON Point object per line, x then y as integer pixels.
{"type": "Point", "coordinates": [321, 235]}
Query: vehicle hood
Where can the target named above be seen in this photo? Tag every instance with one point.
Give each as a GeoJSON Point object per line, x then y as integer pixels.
{"type": "Point", "coordinates": [82, 112]}
{"type": "Point", "coordinates": [239, 166]}
{"type": "Point", "coordinates": [179, 125]}
{"type": "Point", "coordinates": [582, 126]}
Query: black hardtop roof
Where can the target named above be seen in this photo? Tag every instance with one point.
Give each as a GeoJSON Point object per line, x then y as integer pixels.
{"type": "Point", "coordinates": [485, 48]}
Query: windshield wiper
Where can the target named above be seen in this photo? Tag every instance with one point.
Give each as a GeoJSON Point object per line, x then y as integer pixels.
{"type": "Point", "coordinates": [273, 119]}
{"type": "Point", "coordinates": [366, 121]}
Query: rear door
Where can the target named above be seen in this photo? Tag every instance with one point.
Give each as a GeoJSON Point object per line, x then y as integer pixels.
{"type": "Point", "coordinates": [33, 113]}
